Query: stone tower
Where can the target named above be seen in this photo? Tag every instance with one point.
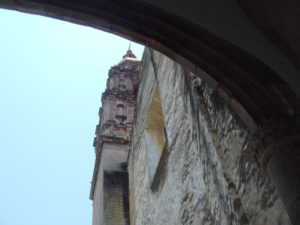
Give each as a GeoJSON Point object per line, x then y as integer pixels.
{"type": "Point", "coordinates": [109, 189]}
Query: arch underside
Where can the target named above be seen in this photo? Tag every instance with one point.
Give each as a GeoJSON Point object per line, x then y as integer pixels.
{"type": "Point", "coordinates": [253, 90]}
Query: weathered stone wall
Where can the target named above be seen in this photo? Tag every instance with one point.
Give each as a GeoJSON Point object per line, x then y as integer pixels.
{"type": "Point", "coordinates": [206, 173]}
{"type": "Point", "coordinates": [115, 191]}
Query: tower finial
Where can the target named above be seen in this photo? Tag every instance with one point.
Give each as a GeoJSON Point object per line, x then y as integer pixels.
{"type": "Point", "coordinates": [129, 53]}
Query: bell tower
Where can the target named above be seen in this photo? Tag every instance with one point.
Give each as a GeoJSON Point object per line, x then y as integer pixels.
{"type": "Point", "coordinates": [109, 189]}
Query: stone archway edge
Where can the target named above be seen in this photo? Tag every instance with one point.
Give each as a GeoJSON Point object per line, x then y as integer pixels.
{"type": "Point", "coordinates": [252, 89]}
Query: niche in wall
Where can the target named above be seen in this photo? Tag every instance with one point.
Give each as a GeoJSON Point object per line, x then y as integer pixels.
{"type": "Point", "coordinates": [154, 135]}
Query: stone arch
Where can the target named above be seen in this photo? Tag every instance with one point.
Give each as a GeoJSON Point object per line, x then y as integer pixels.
{"type": "Point", "coordinates": [250, 87]}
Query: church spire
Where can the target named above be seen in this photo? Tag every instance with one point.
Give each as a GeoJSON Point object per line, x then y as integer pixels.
{"type": "Point", "coordinates": [129, 53]}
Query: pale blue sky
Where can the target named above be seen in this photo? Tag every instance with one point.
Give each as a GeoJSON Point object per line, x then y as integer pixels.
{"type": "Point", "coordinates": [52, 74]}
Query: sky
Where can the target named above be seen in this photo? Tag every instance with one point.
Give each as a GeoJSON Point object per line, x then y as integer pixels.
{"type": "Point", "coordinates": [52, 74]}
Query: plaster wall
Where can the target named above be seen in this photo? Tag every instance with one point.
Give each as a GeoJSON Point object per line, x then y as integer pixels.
{"type": "Point", "coordinates": [111, 190]}
{"type": "Point", "coordinates": [114, 157]}
{"type": "Point", "coordinates": [98, 198]}
{"type": "Point", "coordinates": [206, 173]}
{"type": "Point", "coordinates": [115, 191]}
